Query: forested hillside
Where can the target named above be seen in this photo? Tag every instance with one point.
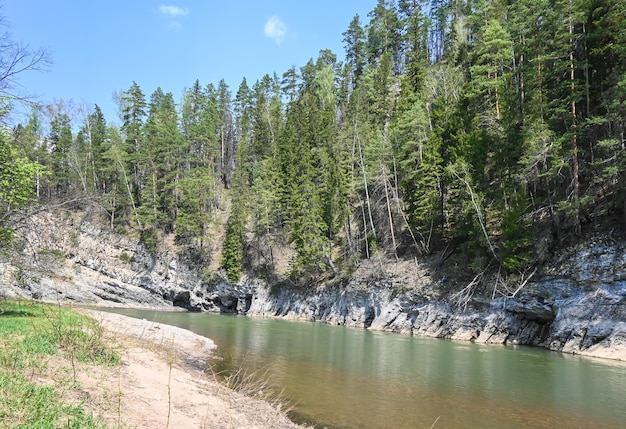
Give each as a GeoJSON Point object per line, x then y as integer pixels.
{"type": "Point", "coordinates": [479, 125]}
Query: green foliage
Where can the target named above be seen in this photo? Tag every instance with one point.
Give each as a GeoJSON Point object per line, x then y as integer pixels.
{"type": "Point", "coordinates": [74, 238]}
{"type": "Point", "coordinates": [17, 176]}
{"type": "Point", "coordinates": [421, 165]}
{"type": "Point", "coordinates": [232, 251]}
{"type": "Point", "coordinates": [476, 123]}
{"type": "Point", "coordinates": [150, 239]}
{"type": "Point", "coordinates": [125, 257]}
{"type": "Point", "coordinates": [517, 236]}
{"type": "Point", "coordinates": [354, 39]}
{"type": "Point", "coordinates": [30, 333]}
{"type": "Point", "coordinates": [53, 253]}
{"type": "Point", "coordinates": [196, 199]}
{"type": "Point", "coordinates": [27, 405]}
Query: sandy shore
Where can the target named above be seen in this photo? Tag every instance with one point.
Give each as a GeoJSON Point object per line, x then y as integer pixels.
{"type": "Point", "coordinates": [163, 382]}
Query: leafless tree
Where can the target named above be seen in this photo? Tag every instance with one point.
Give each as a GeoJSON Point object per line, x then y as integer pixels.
{"type": "Point", "coordinates": [16, 58]}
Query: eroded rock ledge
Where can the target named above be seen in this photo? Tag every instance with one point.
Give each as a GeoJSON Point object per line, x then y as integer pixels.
{"type": "Point", "coordinates": [577, 304]}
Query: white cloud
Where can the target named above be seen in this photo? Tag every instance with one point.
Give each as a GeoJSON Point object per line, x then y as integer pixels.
{"type": "Point", "coordinates": [275, 29]}
{"type": "Point", "coordinates": [173, 10]}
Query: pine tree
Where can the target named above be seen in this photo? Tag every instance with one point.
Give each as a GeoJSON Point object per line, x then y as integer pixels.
{"type": "Point", "coordinates": [60, 140]}
{"type": "Point", "coordinates": [91, 139]}
{"type": "Point", "coordinates": [120, 202]}
{"type": "Point", "coordinates": [261, 159]}
{"type": "Point", "coordinates": [290, 84]}
{"type": "Point", "coordinates": [354, 43]}
{"type": "Point", "coordinates": [211, 124]}
{"type": "Point", "coordinates": [493, 146]}
{"type": "Point", "coordinates": [493, 60]}
{"type": "Point", "coordinates": [195, 206]}
{"type": "Point", "coordinates": [414, 42]}
{"type": "Point", "coordinates": [195, 135]}
{"type": "Point", "coordinates": [233, 250]}
{"type": "Point", "coordinates": [450, 120]}
{"type": "Point", "coordinates": [299, 150]}
{"type": "Point", "coordinates": [606, 50]}
{"type": "Point", "coordinates": [227, 133]}
{"type": "Point", "coordinates": [30, 139]}
{"type": "Point", "coordinates": [383, 34]}
{"type": "Point", "coordinates": [132, 106]}
{"type": "Point", "coordinates": [161, 158]}
{"type": "Point", "coordinates": [446, 116]}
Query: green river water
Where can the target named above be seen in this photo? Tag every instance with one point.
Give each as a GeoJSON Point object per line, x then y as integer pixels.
{"type": "Point", "coordinates": [339, 377]}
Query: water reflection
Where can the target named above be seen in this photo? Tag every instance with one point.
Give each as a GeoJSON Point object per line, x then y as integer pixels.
{"type": "Point", "coordinates": [351, 378]}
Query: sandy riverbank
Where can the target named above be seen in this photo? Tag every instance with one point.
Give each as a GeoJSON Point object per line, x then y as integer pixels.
{"type": "Point", "coordinates": [163, 378]}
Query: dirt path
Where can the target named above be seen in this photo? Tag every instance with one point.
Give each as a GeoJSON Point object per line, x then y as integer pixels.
{"type": "Point", "coordinates": [161, 382]}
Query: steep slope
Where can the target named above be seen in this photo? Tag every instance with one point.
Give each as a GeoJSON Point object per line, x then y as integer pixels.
{"type": "Point", "coordinates": [576, 304]}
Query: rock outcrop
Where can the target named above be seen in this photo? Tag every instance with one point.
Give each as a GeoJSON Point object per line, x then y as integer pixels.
{"type": "Point", "coordinates": [577, 305]}
{"type": "Point", "coordinates": [586, 322]}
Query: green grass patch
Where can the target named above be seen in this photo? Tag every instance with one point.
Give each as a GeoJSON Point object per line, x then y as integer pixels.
{"type": "Point", "coordinates": [30, 334]}
{"type": "Point", "coordinates": [29, 406]}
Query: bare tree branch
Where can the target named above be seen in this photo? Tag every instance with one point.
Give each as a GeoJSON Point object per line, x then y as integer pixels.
{"type": "Point", "coordinates": [15, 59]}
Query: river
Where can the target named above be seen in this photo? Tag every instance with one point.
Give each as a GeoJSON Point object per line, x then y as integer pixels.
{"type": "Point", "coordinates": [347, 378]}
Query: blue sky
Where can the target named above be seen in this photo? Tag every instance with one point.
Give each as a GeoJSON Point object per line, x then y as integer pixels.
{"type": "Point", "coordinates": [99, 47]}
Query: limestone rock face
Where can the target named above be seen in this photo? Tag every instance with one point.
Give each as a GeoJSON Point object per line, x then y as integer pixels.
{"type": "Point", "coordinates": [76, 261]}
{"type": "Point", "coordinates": [577, 305]}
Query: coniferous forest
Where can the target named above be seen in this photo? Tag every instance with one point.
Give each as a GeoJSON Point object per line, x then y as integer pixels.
{"type": "Point", "coordinates": [495, 127]}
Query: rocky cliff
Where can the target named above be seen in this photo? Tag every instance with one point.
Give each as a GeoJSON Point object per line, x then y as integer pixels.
{"type": "Point", "coordinates": [576, 304]}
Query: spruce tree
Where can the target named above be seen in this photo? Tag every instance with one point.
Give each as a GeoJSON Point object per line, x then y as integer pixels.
{"type": "Point", "coordinates": [421, 168]}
